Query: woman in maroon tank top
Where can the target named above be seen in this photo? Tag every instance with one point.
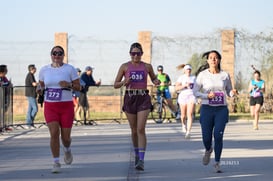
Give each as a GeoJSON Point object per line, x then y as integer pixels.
{"type": "Point", "coordinates": [137, 101]}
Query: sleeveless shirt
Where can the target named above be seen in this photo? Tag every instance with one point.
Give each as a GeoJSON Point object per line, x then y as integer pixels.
{"type": "Point", "coordinates": [138, 75]}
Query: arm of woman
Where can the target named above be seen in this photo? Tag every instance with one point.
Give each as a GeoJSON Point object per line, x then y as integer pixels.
{"type": "Point", "coordinates": [178, 86]}
{"type": "Point", "coordinates": [230, 91]}
{"type": "Point", "coordinates": [250, 87]}
{"type": "Point", "coordinates": [76, 85]}
{"type": "Point", "coordinates": [263, 88]}
{"type": "Point", "coordinates": [118, 80]}
{"type": "Point", "coordinates": [40, 87]}
{"type": "Point", "coordinates": [198, 86]}
{"type": "Point", "coordinates": [152, 74]}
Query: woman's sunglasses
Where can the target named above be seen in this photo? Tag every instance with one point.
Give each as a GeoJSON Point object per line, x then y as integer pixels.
{"type": "Point", "coordinates": [55, 53]}
{"type": "Point", "coordinates": [135, 53]}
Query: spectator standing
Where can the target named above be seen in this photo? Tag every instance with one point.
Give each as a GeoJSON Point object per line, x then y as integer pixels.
{"type": "Point", "coordinates": [6, 88]}
{"type": "Point", "coordinates": [76, 96]}
{"type": "Point", "coordinates": [87, 78]}
{"type": "Point", "coordinates": [30, 93]}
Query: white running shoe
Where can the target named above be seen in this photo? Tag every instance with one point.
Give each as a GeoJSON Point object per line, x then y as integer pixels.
{"type": "Point", "coordinates": [68, 157]}
{"type": "Point", "coordinates": [56, 168]}
{"type": "Point", "coordinates": [188, 135]}
{"type": "Point", "coordinates": [206, 158]}
{"type": "Point", "coordinates": [217, 167]}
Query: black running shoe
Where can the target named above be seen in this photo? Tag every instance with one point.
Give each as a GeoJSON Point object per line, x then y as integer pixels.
{"type": "Point", "coordinates": [140, 165]}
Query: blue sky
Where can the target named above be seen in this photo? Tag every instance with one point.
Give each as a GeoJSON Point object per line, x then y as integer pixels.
{"type": "Point", "coordinates": [39, 19]}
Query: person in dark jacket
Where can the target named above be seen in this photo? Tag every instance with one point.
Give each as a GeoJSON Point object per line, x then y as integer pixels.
{"type": "Point", "coordinates": [88, 79]}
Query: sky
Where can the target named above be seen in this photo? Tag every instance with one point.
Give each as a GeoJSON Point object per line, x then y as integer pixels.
{"type": "Point", "coordinates": [35, 20]}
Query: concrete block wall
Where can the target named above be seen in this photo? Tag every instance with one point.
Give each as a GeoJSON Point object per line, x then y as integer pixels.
{"type": "Point", "coordinates": [145, 39]}
{"type": "Point", "coordinates": [228, 53]}
{"type": "Point", "coordinates": [61, 39]}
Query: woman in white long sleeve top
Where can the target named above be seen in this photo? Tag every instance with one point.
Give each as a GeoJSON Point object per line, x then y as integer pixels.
{"type": "Point", "coordinates": [212, 86]}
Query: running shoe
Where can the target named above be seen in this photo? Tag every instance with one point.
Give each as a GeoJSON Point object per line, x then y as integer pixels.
{"type": "Point", "coordinates": [140, 165]}
{"type": "Point", "coordinates": [136, 160]}
{"type": "Point", "coordinates": [188, 135]}
{"type": "Point", "coordinates": [217, 167]}
{"type": "Point", "coordinates": [56, 168]}
{"type": "Point", "coordinates": [206, 158]}
{"type": "Point", "coordinates": [68, 157]}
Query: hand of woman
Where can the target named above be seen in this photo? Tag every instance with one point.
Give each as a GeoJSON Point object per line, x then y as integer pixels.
{"type": "Point", "coordinates": [127, 81]}
{"type": "Point", "coordinates": [65, 84]}
{"type": "Point", "coordinates": [235, 92]}
{"type": "Point", "coordinates": [211, 95]}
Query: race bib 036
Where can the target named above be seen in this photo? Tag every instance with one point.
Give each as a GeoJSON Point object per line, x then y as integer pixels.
{"type": "Point", "coordinates": [137, 76]}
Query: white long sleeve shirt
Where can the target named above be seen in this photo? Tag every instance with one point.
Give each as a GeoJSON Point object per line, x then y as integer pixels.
{"type": "Point", "coordinates": [218, 83]}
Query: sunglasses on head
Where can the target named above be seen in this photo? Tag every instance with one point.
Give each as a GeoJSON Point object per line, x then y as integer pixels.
{"type": "Point", "coordinates": [136, 53]}
{"type": "Point", "coordinates": [55, 53]}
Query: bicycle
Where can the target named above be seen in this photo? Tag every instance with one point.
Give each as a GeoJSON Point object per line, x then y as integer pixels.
{"type": "Point", "coordinates": [159, 109]}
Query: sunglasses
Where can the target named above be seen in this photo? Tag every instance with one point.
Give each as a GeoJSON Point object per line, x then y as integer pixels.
{"type": "Point", "coordinates": [135, 53]}
{"type": "Point", "coordinates": [57, 53]}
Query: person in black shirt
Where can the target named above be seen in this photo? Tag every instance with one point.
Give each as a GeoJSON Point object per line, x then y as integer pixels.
{"type": "Point", "coordinates": [30, 93]}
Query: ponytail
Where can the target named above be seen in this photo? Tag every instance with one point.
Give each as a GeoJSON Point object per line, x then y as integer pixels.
{"type": "Point", "coordinates": [206, 65]}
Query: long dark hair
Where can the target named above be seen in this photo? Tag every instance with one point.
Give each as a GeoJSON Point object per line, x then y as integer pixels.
{"type": "Point", "coordinates": [206, 65]}
{"type": "Point", "coordinates": [136, 45]}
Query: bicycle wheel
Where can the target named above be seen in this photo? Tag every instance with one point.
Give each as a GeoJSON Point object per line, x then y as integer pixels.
{"type": "Point", "coordinates": [158, 113]}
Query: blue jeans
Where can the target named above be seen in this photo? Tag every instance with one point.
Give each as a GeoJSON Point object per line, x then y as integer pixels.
{"type": "Point", "coordinates": [213, 120]}
{"type": "Point", "coordinates": [166, 93]}
{"type": "Point", "coordinates": [32, 110]}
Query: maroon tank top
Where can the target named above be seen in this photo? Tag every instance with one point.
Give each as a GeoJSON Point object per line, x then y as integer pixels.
{"type": "Point", "coordinates": [138, 75]}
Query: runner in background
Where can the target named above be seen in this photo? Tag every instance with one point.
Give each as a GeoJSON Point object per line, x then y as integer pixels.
{"type": "Point", "coordinates": [163, 89]}
{"type": "Point", "coordinates": [186, 98]}
{"type": "Point", "coordinates": [256, 90]}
